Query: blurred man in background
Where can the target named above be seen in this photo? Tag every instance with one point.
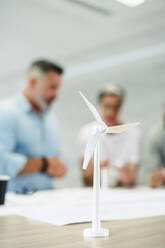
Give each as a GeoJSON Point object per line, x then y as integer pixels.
{"type": "Point", "coordinates": [119, 152]}
{"type": "Point", "coordinates": [153, 170]}
{"type": "Point", "coordinates": [29, 143]}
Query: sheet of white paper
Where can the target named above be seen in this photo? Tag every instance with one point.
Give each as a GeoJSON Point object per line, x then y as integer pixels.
{"type": "Point", "coordinates": [61, 207]}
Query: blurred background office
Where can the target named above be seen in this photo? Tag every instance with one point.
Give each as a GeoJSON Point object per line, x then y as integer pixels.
{"type": "Point", "coordinates": [96, 41]}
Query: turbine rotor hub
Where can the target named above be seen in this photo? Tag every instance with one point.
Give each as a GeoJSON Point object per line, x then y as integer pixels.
{"type": "Point", "coordinates": [101, 128]}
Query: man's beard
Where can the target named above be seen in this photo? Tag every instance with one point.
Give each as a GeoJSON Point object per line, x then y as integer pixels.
{"type": "Point", "coordinates": [43, 105]}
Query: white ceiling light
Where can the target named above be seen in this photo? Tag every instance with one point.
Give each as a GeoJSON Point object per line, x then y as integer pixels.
{"type": "Point", "coordinates": [131, 3]}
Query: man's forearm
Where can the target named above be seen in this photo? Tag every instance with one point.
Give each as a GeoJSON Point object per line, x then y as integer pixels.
{"type": "Point", "coordinates": [32, 165]}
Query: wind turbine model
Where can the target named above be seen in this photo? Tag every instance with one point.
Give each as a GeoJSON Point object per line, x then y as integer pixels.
{"type": "Point", "coordinates": [93, 147]}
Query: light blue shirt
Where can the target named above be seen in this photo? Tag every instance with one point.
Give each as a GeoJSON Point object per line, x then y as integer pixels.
{"type": "Point", "coordinates": [23, 134]}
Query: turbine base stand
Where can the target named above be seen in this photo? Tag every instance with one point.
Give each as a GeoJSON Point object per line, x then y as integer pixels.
{"type": "Point", "coordinates": [90, 233]}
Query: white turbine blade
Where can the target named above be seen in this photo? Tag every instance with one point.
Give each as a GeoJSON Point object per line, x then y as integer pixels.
{"type": "Point", "coordinates": [92, 109]}
{"type": "Point", "coordinates": [90, 149]}
{"type": "Point", "coordinates": [121, 128]}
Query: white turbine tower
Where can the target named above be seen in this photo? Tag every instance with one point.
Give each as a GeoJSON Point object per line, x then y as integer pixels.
{"type": "Point", "coordinates": [93, 147]}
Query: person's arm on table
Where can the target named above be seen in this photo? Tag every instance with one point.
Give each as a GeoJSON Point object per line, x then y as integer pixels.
{"type": "Point", "coordinates": [158, 178]}
{"type": "Point", "coordinates": [55, 167]}
{"type": "Point", "coordinates": [152, 166]}
{"type": "Point", "coordinates": [157, 175]}
{"type": "Point", "coordinates": [127, 175]}
{"type": "Point", "coordinates": [88, 173]}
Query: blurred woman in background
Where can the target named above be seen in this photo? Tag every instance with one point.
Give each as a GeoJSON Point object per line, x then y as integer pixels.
{"type": "Point", "coordinates": [119, 152]}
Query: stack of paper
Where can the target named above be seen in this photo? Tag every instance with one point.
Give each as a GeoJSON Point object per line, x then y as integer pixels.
{"type": "Point", "coordinates": [61, 207]}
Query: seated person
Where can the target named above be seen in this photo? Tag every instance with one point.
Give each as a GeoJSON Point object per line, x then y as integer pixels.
{"type": "Point", "coordinates": [29, 143]}
{"type": "Point", "coordinates": [153, 171]}
{"type": "Point", "coordinates": [119, 152]}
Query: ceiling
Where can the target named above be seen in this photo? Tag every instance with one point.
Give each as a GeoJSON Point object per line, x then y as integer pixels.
{"type": "Point", "coordinates": [71, 34]}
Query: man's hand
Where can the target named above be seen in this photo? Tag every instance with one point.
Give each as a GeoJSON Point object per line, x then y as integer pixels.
{"type": "Point", "coordinates": [127, 175]}
{"type": "Point", "coordinates": [158, 178]}
{"type": "Point", "coordinates": [56, 168]}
